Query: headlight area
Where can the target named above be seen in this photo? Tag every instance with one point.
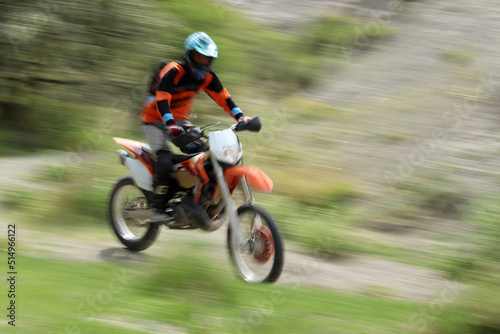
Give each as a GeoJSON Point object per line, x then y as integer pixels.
{"type": "Point", "coordinates": [232, 154]}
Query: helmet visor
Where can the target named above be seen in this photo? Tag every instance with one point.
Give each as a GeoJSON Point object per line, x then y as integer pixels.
{"type": "Point", "coordinates": [199, 61]}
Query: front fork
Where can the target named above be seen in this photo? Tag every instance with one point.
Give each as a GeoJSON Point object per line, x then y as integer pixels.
{"type": "Point", "coordinates": [234, 220]}
{"type": "Point", "coordinates": [246, 191]}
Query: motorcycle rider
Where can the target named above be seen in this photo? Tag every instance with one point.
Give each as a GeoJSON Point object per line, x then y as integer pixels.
{"type": "Point", "coordinates": [167, 110]}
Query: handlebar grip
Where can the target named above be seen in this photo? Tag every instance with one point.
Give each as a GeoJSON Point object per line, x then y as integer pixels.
{"type": "Point", "coordinates": [255, 125]}
{"type": "Point", "coordinates": [187, 137]}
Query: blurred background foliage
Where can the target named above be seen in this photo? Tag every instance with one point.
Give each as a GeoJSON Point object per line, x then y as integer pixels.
{"type": "Point", "coordinates": [67, 65]}
{"type": "Point", "coordinates": [64, 61]}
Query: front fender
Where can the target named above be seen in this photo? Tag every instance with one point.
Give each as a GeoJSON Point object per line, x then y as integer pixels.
{"type": "Point", "coordinates": [254, 176]}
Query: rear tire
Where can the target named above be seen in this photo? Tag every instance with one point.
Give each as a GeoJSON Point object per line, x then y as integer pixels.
{"type": "Point", "coordinates": [136, 234]}
{"type": "Point", "coordinates": [260, 258]}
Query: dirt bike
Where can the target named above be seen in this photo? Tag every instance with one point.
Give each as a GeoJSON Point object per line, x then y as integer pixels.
{"type": "Point", "coordinates": [200, 195]}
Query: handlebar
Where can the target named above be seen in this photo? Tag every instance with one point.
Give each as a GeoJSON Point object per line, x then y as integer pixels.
{"type": "Point", "coordinates": [194, 133]}
{"type": "Point", "coordinates": [190, 135]}
{"type": "Point", "coordinates": [254, 125]}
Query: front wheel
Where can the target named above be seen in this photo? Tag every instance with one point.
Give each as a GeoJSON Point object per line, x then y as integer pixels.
{"type": "Point", "coordinates": [259, 257]}
{"type": "Point", "coordinates": [128, 208]}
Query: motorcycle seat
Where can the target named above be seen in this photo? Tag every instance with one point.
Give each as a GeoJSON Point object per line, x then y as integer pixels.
{"type": "Point", "coordinates": [176, 158]}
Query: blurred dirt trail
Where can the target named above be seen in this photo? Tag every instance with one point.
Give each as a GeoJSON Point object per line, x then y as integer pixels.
{"type": "Point", "coordinates": [363, 275]}
{"type": "Point", "coordinates": [360, 275]}
{"type": "Point", "coordinates": [17, 172]}
{"type": "Point", "coordinates": [445, 53]}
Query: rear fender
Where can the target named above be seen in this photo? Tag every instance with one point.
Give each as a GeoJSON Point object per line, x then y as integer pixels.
{"type": "Point", "coordinates": [254, 176]}
{"type": "Point", "coordinates": [136, 148]}
{"type": "Point", "coordinates": [140, 173]}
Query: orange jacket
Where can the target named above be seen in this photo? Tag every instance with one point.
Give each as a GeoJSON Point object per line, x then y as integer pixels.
{"type": "Point", "coordinates": [175, 91]}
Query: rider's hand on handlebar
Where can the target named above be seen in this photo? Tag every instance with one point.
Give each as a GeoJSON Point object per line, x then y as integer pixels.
{"type": "Point", "coordinates": [174, 130]}
{"type": "Point", "coordinates": [186, 125]}
{"type": "Point", "coordinates": [244, 119]}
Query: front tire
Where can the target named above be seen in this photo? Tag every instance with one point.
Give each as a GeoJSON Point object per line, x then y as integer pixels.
{"type": "Point", "coordinates": [135, 233]}
{"type": "Point", "coordinates": [260, 257]}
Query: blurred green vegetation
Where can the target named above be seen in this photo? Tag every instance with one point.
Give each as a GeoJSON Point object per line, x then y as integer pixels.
{"type": "Point", "coordinates": [187, 294]}
{"type": "Point", "coordinates": [458, 57]}
{"type": "Point", "coordinates": [68, 66]}
{"type": "Point", "coordinates": [475, 309]}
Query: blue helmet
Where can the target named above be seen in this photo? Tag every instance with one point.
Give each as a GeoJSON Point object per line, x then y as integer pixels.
{"type": "Point", "coordinates": [201, 43]}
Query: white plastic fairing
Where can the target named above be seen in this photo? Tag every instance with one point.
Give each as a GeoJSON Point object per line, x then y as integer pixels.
{"type": "Point", "coordinates": [225, 146]}
{"type": "Point", "coordinates": [142, 177]}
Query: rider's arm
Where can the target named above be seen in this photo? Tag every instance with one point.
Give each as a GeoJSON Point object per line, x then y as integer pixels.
{"type": "Point", "coordinates": [168, 76]}
{"type": "Point", "coordinates": [220, 95]}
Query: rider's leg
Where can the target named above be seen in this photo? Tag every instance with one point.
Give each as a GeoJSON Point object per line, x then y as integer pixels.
{"type": "Point", "coordinates": [160, 184]}
{"type": "Point", "coordinates": [156, 138]}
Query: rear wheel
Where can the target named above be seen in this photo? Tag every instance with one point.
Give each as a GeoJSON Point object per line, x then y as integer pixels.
{"type": "Point", "coordinates": [128, 211]}
{"type": "Point", "coordinates": [259, 257]}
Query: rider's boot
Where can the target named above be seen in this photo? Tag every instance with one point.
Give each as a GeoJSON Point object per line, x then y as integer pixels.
{"type": "Point", "coordinates": [159, 204]}
{"type": "Point", "coordinates": [161, 186]}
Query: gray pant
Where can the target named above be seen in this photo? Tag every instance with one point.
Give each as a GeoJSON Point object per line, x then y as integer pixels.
{"type": "Point", "coordinates": [156, 138]}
